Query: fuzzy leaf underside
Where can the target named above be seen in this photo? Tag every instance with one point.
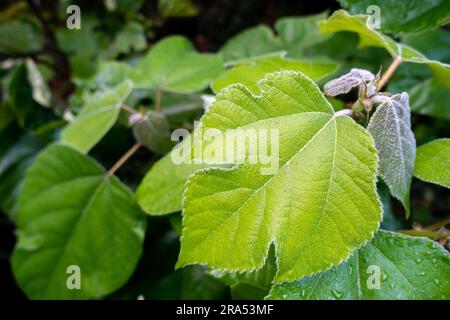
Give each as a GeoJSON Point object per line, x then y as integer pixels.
{"type": "Point", "coordinates": [70, 213]}
{"type": "Point", "coordinates": [342, 21]}
{"type": "Point", "coordinates": [343, 84]}
{"type": "Point", "coordinates": [410, 268]}
{"type": "Point", "coordinates": [390, 127]}
{"type": "Point", "coordinates": [317, 208]}
{"type": "Point", "coordinates": [433, 162]}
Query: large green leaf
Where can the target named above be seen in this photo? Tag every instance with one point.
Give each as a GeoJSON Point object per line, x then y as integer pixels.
{"type": "Point", "coordinates": [96, 118]}
{"type": "Point", "coordinates": [342, 21]}
{"type": "Point", "coordinates": [250, 71]}
{"type": "Point", "coordinates": [409, 268]}
{"type": "Point", "coordinates": [174, 65]}
{"type": "Point", "coordinates": [295, 34]}
{"type": "Point", "coordinates": [14, 160]}
{"type": "Point", "coordinates": [434, 44]}
{"type": "Point", "coordinates": [430, 98]}
{"type": "Point", "coordinates": [404, 15]}
{"type": "Point", "coordinates": [433, 162]}
{"type": "Point", "coordinates": [298, 33]}
{"type": "Point", "coordinates": [249, 43]}
{"type": "Point", "coordinates": [71, 213]}
{"type": "Point", "coordinates": [318, 207]}
{"type": "Point", "coordinates": [390, 127]}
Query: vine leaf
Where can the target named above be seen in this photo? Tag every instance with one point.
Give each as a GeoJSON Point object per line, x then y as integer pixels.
{"type": "Point", "coordinates": [409, 268]}
{"type": "Point", "coordinates": [317, 208]}
{"type": "Point", "coordinates": [415, 16]}
{"type": "Point", "coordinates": [96, 118]}
{"type": "Point", "coordinates": [70, 213]}
{"type": "Point", "coordinates": [433, 162]}
{"type": "Point", "coordinates": [249, 72]}
{"type": "Point", "coordinates": [341, 21]}
{"type": "Point", "coordinates": [390, 127]}
{"type": "Point", "coordinates": [174, 65]}
{"type": "Point", "coordinates": [160, 192]}
{"type": "Point", "coordinates": [345, 83]}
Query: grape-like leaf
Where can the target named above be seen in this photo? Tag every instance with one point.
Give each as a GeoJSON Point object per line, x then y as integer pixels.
{"type": "Point", "coordinates": [342, 21]}
{"type": "Point", "coordinates": [390, 127]}
{"type": "Point", "coordinates": [317, 208]}
{"type": "Point", "coordinates": [345, 83]}
{"type": "Point", "coordinates": [174, 65]}
{"type": "Point", "coordinates": [250, 71]}
{"type": "Point", "coordinates": [71, 213]}
{"type": "Point", "coordinates": [433, 162]}
{"type": "Point", "coordinates": [96, 118]}
{"type": "Point", "coordinates": [404, 267]}
{"type": "Point", "coordinates": [161, 190]}
{"type": "Point", "coordinates": [404, 15]}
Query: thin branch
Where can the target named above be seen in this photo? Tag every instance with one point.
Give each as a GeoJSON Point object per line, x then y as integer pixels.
{"type": "Point", "coordinates": [124, 159]}
{"type": "Point", "coordinates": [389, 72]}
{"type": "Point", "coordinates": [158, 100]}
{"type": "Point", "coordinates": [438, 224]}
{"type": "Point", "coordinates": [128, 108]}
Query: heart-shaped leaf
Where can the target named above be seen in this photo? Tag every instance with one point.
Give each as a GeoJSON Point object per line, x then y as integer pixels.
{"type": "Point", "coordinates": [391, 266]}
{"type": "Point", "coordinates": [318, 207]}
{"type": "Point", "coordinates": [174, 65]}
{"type": "Point", "coordinates": [72, 214]}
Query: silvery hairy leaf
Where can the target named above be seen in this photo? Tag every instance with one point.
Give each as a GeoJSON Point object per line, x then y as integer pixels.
{"type": "Point", "coordinates": [390, 127]}
{"type": "Point", "coordinates": [343, 84]}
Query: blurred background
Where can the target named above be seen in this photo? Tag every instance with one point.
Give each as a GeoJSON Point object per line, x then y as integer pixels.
{"type": "Point", "coordinates": [47, 70]}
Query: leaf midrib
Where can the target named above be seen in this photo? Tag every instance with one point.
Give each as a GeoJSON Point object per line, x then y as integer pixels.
{"type": "Point", "coordinates": [286, 164]}
{"type": "Point", "coordinates": [102, 183]}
